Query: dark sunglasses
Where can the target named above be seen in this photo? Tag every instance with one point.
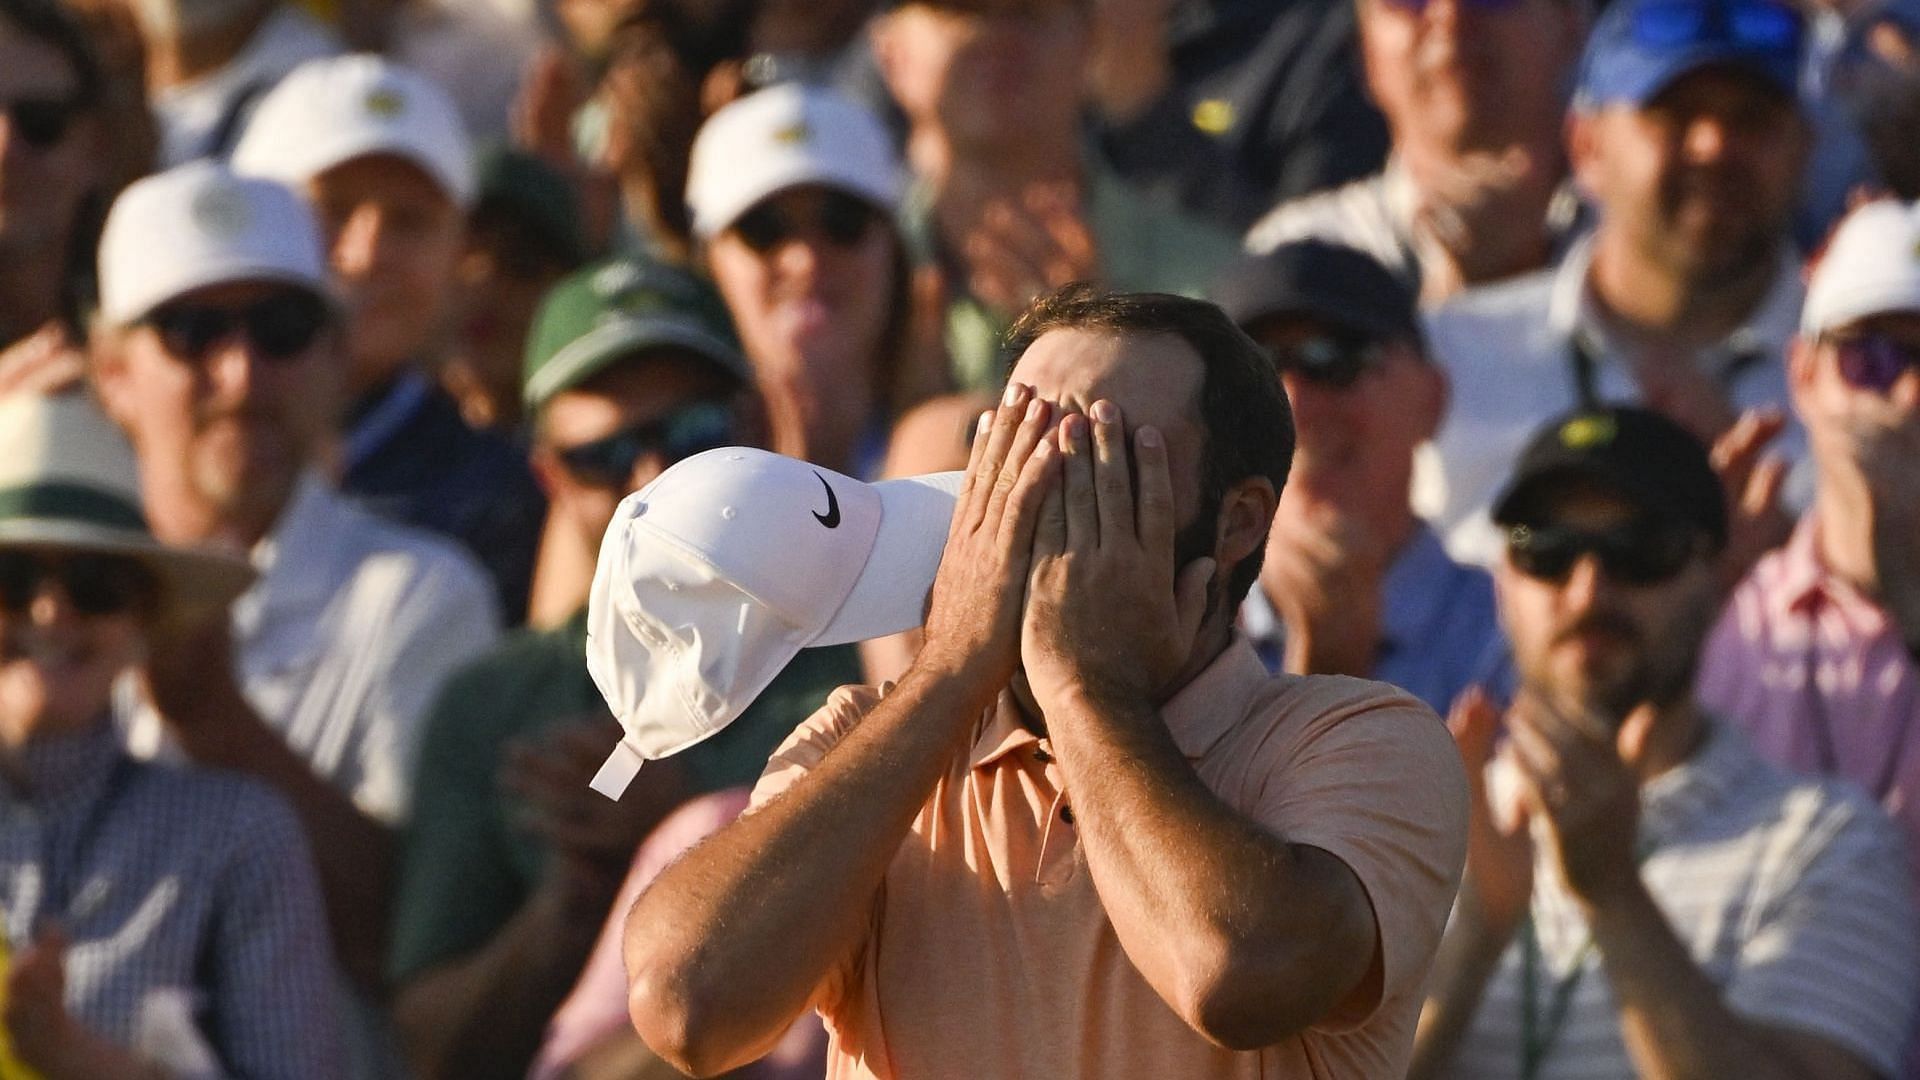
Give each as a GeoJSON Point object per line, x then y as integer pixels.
{"type": "Point", "coordinates": [1874, 362]}
{"type": "Point", "coordinates": [843, 219]}
{"type": "Point", "coordinates": [1639, 553]}
{"type": "Point", "coordinates": [1474, 5]}
{"type": "Point", "coordinates": [1754, 24]}
{"type": "Point", "coordinates": [680, 434]}
{"type": "Point", "coordinates": [93, 584]}
{"type": "Point", "coordinates": [280, 327]}
{"type": "Point", "coordinates": [1336, 360]}
{"type": "Point", "coordinates": [42, 122]}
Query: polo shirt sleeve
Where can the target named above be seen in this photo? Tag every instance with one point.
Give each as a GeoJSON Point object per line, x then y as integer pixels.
{"type": "Point", "coordinates": [1833, 952]}
{"type": "Point", "coordinates": [1373, 778]}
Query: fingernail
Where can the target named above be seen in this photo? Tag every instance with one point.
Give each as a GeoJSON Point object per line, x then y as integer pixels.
{"type": "Point", "coordinates": [1103, 411]}
{"type": "Point", "coordinates": [986, 421]}
{"type": "Point", "coordinates": [1012, 395]}
{"type": "Point", "coordinates": [1035, 408]}
{"type": "Point", "coordinates": [1148, 436]}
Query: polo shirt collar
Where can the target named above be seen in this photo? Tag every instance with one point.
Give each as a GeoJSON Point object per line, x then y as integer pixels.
{"type": "Point", "coordinates": [1714, 773]}
{"type": "Point", "coordinates": [1001, 733]}
{"type": "Point", "coordinates": [65, 770]}
{"type": "Point", "coordinates": [294, 561]}
{"type": "Point", "coordinates": [1802, 582]}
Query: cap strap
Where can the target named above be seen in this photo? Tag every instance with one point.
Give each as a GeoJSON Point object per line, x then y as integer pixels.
{"type": "Point", "coordinates": [71, 502]}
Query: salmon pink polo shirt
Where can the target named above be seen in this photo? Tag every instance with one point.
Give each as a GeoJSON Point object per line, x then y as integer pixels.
{"type": "Point", "coordinates": [988, 952]}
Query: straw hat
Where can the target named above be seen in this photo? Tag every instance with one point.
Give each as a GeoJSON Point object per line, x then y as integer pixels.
{"type": "Point", "coordinates": [68, 482]}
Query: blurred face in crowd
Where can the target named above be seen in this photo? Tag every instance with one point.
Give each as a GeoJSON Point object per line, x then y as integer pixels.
{"type": "Point", "coordinates": [1590, 636]}
{"type": "Point", "coordinates": [1471, 74]}
{"type": "Point", "coordinates": [1703, 179]}
{"type": "Point", "coordinates": [1857, 389]}
{"type": "Point", "coordinates": [988, 72]}
{"type": "Point", "coordinates": [590, 23]}
{"type": "Point", "coordinates": [61, 648]}
{"type": "Point", "coordinates": [613, 434]}
{"type": "Point", "coordinates": [227, 393]}
{"type": "Point", "coordinates": [502, 275]}
{"type": "Point", "coordinates": [48, 151]}
{"type": "Point", "coordinates": [1360, 406]}
{"type": "Point", "coordinates": [808, 275]}
{"type": "Point", "coordinates": [395, 238]}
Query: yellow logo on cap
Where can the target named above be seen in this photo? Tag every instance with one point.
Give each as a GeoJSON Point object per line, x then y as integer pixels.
{"type": "Point", "coordinates": [221, 212]}
{"type": "Point", "coordinates": [793, 134]}
{"type": "Point", "coordinates": [385, 103]}
{"type": "Point", "coordinates": [1214, 116]}
{"type": "Point", "coordinates": [1587, 432]}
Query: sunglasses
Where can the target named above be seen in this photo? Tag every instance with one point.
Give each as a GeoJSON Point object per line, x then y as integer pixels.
{"type": "Point", "coordinates": [1874, 362]}
{"type": "Point", "coordinates": [280, 327]}
{"type": "Point", "coordinates": [1417, 6]}
{"type": "Point", "coordinates": [843, 219]}
{"type": "Point", "coordinates": [41, 122]}
{"type": "Point", "coordinates": [680, 434]}
{"type": "Point", "coordinates": [93, 584]}
{"type": "Point", "coordinates": [1754, 24]}
{"type": "Point", "coordinates": [1336, 360]}
{"type": "Point", "coordinates": [1639, 553]}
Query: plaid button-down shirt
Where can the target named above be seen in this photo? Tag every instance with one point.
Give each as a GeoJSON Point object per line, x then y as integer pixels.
{"type": "Point", "coordinates": [196, 929]}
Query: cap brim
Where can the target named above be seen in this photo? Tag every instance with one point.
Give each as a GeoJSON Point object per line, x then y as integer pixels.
{"type": "Point", "coordinates": [191, 579]}
{"type": "Point", "coordinates": [590, 354]}
{"type": "Point", "coordinates": [890, 594]}
{"type": "Point", "coordinates": [714, 216]}
{"type": "Point", "coordinates": [231, 272]}
{"type": "Point", "coordinates": [1511, 508]}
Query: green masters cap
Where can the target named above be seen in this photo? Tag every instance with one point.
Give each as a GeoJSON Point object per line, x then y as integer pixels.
{"type": "Point", "coordinates": [616, 308]}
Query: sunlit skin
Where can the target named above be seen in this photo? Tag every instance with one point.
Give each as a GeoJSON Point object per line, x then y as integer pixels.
{"type": "Point", "coordinates": [58, 666]}
{"type": "Point", "coordinates": [221, 441]}
{"type": "Point", "coordinates": [1593, 644]}
{"type": "Point", "coordinates": [395, 237]}
{"type": "Point", "coordinates": [989, 73]}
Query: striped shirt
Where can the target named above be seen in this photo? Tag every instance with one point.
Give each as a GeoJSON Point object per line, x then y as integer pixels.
{"type": "Point", "coordinates": [197, 937]}
{"type": "Point", "coordinates": [1791, 893]}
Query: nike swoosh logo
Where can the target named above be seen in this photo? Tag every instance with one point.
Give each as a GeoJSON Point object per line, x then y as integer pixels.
{"type": "Point", "coordinates": [831, 519]}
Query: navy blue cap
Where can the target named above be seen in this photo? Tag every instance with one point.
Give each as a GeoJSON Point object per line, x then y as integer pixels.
{"type": "Point", "coordinates": [1640, 47]}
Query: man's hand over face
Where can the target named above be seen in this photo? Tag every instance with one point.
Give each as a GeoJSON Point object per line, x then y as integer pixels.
{"type": "Point", "coordinates": [1577, 776]}
{"type": "Point", "coordinates": [1105, 614]}
{"type": "Point", "coordinates": [973, 617]}
{"type": "Point", "coordinates": [1756, 521]}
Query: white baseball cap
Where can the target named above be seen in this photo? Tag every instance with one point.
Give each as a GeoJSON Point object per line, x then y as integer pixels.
{"type": "Point", "coordinates": [715, 574]}
{"type": "Point", "coordinates": [783, 137]}
{"type": "Point", "coordinates": [199, 225]}
{"type": "Point", "coordinates": [1871, 267]}
{"type": "Point", "coordinates": [330, 111]}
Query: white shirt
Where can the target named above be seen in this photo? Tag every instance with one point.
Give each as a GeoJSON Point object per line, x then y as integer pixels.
{"type": "Point", "coordinates": [192, 113]}
{"type": "Point", "coordinates": [1508, 350]}
{"type": "Point", "coordinates": [345, 638]}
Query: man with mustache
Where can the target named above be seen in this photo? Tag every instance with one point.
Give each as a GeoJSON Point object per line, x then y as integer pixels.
{"type": "Point", "coordinates": [1688, 136]}
{"type": "Point", "coordinates": [1644, 895]}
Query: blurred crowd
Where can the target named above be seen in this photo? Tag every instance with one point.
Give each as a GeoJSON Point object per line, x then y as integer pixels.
{"type": "Point", "coordinates": [333, 331]}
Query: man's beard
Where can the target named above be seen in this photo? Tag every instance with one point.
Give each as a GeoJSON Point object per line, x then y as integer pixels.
{"type": "Point", "coordinates": [1654, 672]}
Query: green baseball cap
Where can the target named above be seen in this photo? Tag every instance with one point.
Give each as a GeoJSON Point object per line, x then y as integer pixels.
{"type": "Point", "coordinates": [618, 307]}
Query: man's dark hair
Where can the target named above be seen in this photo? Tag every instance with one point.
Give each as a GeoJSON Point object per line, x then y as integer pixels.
{"type": "Point", "coordinates": [1247, 422]}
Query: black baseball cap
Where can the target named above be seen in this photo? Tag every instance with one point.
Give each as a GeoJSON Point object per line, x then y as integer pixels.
{"type": "Point", "coordinates": [1652, 462]}
{"type": "Point", "coordinates": [1332, 283]}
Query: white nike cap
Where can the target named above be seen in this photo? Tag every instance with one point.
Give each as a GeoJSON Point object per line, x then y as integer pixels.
{"type": "Point", "coordinates": [337, 109]}
{"type": "Point", "coordinates": [1870, 267]}
{"type": "Point", "coordinates": [712, 577]}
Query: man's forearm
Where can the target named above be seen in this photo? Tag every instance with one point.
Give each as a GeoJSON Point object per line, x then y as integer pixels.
{"type": "Point", "coordinates": [485, 1014]}
{"type": "Point", "coordinates": [1248, 938]}
{"type": "Point", "coordinates": [728, 944]}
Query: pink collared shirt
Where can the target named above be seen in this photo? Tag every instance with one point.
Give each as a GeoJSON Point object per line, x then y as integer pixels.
{"type": "Point", "coordinates": [1819, 677]}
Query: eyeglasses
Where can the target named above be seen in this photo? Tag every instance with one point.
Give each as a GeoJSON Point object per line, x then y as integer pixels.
{"type": "Point", "coordinates": [281, 326]}
{"type": "Point", "coordinates": [1752, 23]}
{"type": "Point", "coordinates": [93, 584]}
{"type": "Point", "coordinates": [680, 434]}
{"type": "Point", "coordinates": [842, 218]}
{"type": "Point", "coordinates": [1874, 362]}
{"type": "Point", "coordinates": [1639, 553]}
{"type": "Point", "coordinates": [1336, 360]}
{"type": "Point", "coordinates": [41, 122]}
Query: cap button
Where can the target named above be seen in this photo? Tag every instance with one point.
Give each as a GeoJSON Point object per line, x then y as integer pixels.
{"type": "Point", "coordinates": [728, 512]}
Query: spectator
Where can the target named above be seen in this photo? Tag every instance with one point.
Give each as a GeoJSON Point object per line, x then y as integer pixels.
{"type": "Point", "coordinates": [1816, 655]}
{"type": "Point", "coordinates": [792, 191]}
{"type": "Point", "coordinates": [1644, 895]}
{"type": "Point", "coordinates": [209, 64]}
{"type": "Point", "coordinates": [1110, 883]}
{"type": "Point", "coordinates": [1006, 204]}
{"type": "Point", "coordinates": [512, 864]}
{"type": "Point", "coordinates": [53, 189]}
{"type": "Point", "coordinates": [1686, 132]}
{"type": "Point", "coordinates": [218, 349]}
{"type": "Point", "coordinates": [1353, 583]}
{"type": "Point", "coordinates": [162, 920]}
{"type": "Point", "coordinates": [1475, 96]}
{"type": "Point", "coordinates": [523, 235]}
{"type": "Point", "coordinates": [380, 153]}
{"type": "Point", "coordinates": [1230, 106]}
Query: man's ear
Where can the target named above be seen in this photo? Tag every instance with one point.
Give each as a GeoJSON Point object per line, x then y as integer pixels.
{"type": "Point", "coordinates": [1802, 358]}
{"type": "Point", "coordinates": [1430, 398]}
{"type": "Point", "coordinates": [882, 37]}
{"type": "Point", "coordinates": [1246, 516]}
{"type": "Point", "coordinates": [1583, 141]}
{"type": "Point", "coordinates": [107, 370]}
{"type": "Point", "coordinates": [547, 470]}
